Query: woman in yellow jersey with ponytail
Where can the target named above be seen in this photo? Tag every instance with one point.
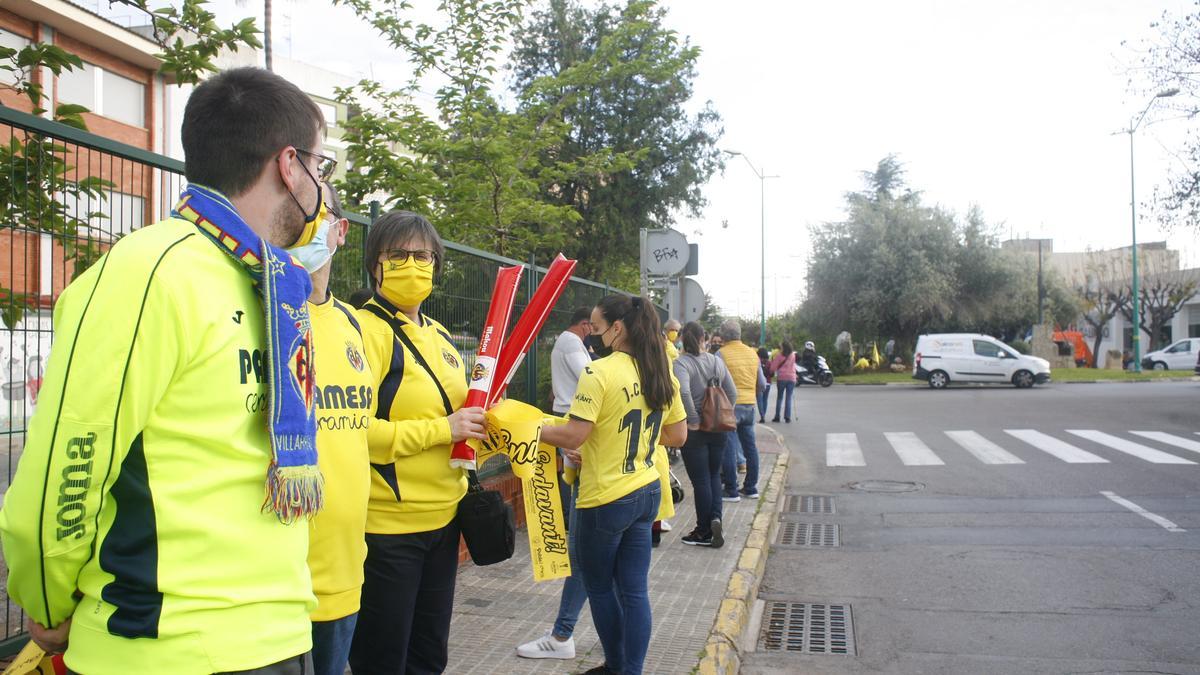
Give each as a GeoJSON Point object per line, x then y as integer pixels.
{"type": "Point", "coordinates": [420, 386]}
{"type": "Point", "coordinates": [626, 403]}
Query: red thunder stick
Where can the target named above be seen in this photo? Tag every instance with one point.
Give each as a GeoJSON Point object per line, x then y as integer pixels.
{"type": "Point", "coordinates": [490, 344]}
{"type": "Point", "coordinates": [530, 324]}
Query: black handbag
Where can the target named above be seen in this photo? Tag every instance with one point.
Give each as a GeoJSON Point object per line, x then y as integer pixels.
{"type": "Point", "coordinates": [487, 523]}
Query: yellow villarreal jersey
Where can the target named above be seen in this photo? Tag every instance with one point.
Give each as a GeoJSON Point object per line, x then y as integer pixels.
{"type": "Point", "coordinates": [617, 455]}
{"type": "Point", "coordinates": [345, 402]}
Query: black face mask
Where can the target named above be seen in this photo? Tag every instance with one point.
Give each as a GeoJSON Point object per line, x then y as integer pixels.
{"type": "Point", "coordinates": [598, 346]}
{"type": "Point", "coordinates": [594, 346]}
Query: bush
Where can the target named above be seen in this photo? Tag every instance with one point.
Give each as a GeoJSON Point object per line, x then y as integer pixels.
{"type": "Point", "coordinates": [1021, 346]}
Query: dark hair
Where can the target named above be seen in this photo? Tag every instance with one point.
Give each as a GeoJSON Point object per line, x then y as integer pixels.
{"type": "Point", "coordinates": [333, 203]}
{"type": "Point", "coordinates": [237, 120]}
{"type": "Point", "coordinates": [360, 297]}
{"type": "Point", "coordinates": [645, 343]}
{"type": "Point", "coordinates": [786, 348]}
{"type": "Point", "coordinates": [580, 314]}
{"type": "Point", "coordinates": [693, 335]}
{"type": "Point", "coordinates": [397, 226]}
{"type": "Point", "coordinates": [762, 353]}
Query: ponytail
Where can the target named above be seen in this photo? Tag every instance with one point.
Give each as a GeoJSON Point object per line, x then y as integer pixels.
{"type": "Point", "coordinates": [645, 343]}
{"type": "Point", "coordinates": [693, 335]}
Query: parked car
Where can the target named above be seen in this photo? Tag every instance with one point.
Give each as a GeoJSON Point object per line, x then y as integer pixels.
{"type": "Point", "coordinates": [1178, 356]}
{"type": "Point", "coordinates": [969, 357]}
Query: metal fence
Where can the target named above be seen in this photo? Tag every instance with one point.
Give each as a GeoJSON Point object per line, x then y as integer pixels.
{"type": "Point", "coordinates": [67, 195]}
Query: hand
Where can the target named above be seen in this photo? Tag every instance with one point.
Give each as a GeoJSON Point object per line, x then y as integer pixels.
{"type": "Point", "coordinates": [573, 455]}
{"type": "Point", "coordinates": [466, 423]}
{"type": "Point", "coordinates": [693, 427]}
{"type": "Point", "coordinates": [51, 640]}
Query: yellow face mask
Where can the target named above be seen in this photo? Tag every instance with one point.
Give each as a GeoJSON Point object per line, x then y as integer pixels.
{"type": "Point", "coordinates": [408, 284]}
{"type": "Point", "coordinates": [672, 335]}
{"type": "Point", "coordinates": [311, 225]}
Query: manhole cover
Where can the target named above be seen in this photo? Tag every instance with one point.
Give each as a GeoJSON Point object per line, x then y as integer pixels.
{"type": "Point", "coordinates": [887, 486]}
{"type": "Point", "coordinates": [808, 534]}
{"type": "Point", "coordinates": [808, 504]}
{"type": "Point", "coordinates": [807, 628]}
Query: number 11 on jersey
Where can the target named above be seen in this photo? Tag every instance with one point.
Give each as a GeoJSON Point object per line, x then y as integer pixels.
{"type": "Point", "coordinates": [633, 422]}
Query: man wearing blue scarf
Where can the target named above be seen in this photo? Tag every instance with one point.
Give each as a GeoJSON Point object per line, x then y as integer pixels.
{"type": "Point", "coordinates": [157, 522]}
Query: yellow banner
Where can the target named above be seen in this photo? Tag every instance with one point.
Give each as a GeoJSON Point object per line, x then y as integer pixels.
{"type": "Point", "coordinates": [515, 429]}
{"type": "Point", "coordinates": [31, 661]}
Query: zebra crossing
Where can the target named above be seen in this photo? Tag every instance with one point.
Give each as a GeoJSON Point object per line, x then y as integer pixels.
{"type": "Point", "coordinates": [843, 449]}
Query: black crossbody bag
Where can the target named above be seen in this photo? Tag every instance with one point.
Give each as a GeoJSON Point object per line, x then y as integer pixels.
{"type": "Point", "coordinates": [488, 525]}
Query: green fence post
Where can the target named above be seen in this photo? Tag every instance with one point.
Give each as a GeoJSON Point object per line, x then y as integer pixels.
{"type": "Point", "coordinates": [366, 278]}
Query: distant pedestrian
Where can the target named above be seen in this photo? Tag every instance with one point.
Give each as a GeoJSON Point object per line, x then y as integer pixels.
{"type": "Point", "coordinates": [764, 362]}
{"type": "Point", "coordinates": [784, 366]}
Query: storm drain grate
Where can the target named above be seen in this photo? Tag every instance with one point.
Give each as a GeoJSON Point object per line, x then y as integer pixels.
{"type": "Point", "coordinates": [807, 628]}
{"type": "Point", "coordinates": [808, 504]}
{"type": "Point", "coordinates": [808, 534]}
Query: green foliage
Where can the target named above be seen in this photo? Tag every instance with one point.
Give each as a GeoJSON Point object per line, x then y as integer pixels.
{"type": "Point", "coordinates": [622, 79]}
{"type": "Point", "coordinates": [190, 38]}
{"type": "Point", "coordinates": [1021, 346]}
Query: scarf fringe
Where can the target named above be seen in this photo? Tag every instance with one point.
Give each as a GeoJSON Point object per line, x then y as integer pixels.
{"type": "Point", "coordinates": [294, 492]}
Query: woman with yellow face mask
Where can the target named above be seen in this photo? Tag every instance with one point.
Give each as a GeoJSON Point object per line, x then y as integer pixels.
{"type": "Point", "coordinates": [412, 539]}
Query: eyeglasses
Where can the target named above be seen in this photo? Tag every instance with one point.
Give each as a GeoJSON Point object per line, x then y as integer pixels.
{"type": "Point", "coordinates": [398, 256]}
{"type": "Point", "coordinates": [325, 165]}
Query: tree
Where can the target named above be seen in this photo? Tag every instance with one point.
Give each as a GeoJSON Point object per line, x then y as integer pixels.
{"type": "Point", "coordinates": [1104, 294]}
{"type": "Point", "coordinates": [1162, 295]}
{"type": "Point", "coordinates": [478, 170]}
{"type": "Point", "coordinates": [634, 105]}
{"type": "Point", "coordinates": [1170, 60]}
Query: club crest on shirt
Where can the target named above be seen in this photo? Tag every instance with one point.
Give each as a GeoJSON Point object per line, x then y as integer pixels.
{"type": "Point", "coordinates": [353, 356]}
{"type": "Point", "coordinates": [450, 358]}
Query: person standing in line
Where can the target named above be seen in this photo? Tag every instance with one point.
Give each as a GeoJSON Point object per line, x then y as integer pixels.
{"type": "Point", "coordinates": [421, 385]}
{"type": "Point", "coordinates": [135, 530]}
{"type": "Point", "coordinates": [703, 451]}
{"type": "Point", "coordinates": [567, 361]}
{"type": "Point", "coordinates": [344, 400]}
{"type": "Point", "coordinates": [624, 405]}
{"type": "Point", "coordinates": [784, 367]}
{"type": "Point", "coordinates": [742, 362]}
{"type": "Point", "coordinates": [671, 332]}
{"type": "Point", "coordinates": [764, 361]}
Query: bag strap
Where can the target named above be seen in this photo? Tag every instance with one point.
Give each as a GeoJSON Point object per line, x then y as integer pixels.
{"type": "Point", "coordinates": [473, 484]}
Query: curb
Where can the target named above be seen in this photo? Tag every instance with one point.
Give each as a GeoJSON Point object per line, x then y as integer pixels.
{"type": "Point", "coordinates": [722, 654]}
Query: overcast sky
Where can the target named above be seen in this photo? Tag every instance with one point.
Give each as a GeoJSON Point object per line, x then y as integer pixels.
{"type": "Point", "coordinates": [1008, 105]}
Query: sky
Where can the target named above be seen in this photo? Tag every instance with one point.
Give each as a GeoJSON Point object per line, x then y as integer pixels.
{"type": "Point", "coordinates": [1011, 106]}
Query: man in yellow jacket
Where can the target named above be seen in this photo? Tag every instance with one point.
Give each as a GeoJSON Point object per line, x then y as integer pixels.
{"type": "Point", "coordinates": [135, 530]}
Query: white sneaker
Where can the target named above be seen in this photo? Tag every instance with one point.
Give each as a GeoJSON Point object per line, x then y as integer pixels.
{"type": "Point", "coordinates": [665, 525]}
{"type": "Point", "coordinates": [548, 647]}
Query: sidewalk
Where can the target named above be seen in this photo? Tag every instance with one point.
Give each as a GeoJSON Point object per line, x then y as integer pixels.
{"type": "Point", "coordinates": [499, 607]}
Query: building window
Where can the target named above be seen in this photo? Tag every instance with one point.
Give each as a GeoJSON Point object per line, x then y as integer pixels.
{"type": "Point", "coordinates": [1193, 320]}
{"type": "Point", "coordinates": [330, 113]}
{"type": "Point", "coordinates": [104, 93]}
{"type": "Point", "coordinates": [12, 41]}
{"type": "Point", "coordinates": [108, 216]}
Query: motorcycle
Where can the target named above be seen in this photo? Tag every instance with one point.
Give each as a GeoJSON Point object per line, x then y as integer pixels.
{"type": "Point", "coordinates": [823, 376]}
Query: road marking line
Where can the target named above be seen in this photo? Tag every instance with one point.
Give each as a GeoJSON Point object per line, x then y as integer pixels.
{"type": "Point", "coordinates": [1060, 449]}
{"type": "Point", "coordinates": [912, 451]}
{"type": "Point", "coordinates": [983, 449]}
{"type": "Point", "coordinates": [843, 450]}
{"type": "Point", "coordinates": [1129, 447]}
{"type": "Point", "coordinates": [1152, 517]}
{"type": "Point", "coordinates": [1161, 437]}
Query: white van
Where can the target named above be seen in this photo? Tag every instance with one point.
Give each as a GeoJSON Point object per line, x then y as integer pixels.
{"type": "Point", "coordinates": [1179, 356]}
{"type": "Point", "coordinates": [969, 357]}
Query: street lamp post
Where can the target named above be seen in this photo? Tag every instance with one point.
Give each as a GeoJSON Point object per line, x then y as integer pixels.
{"type": "Point", "coordinates": [1136, 300]}
{"type": "Point", "coordinates": [762, 213]}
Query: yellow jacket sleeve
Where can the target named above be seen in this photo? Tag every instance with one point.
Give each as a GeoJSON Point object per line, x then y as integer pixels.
{"type": "Point", "coordinates": [117, 345]}
{"type": "Point", "coordinates": [388, 440]}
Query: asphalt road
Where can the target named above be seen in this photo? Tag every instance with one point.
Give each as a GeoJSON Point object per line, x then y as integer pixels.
{"type": "Point", "coordinates": [1009, 556]}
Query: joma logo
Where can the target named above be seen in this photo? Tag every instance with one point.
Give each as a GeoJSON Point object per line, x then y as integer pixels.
{"type": "Point", "coordinates": [73, 489]}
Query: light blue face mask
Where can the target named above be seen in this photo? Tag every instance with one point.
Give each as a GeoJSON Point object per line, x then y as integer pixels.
{"type": "Point", "coordinates": [315, 254]}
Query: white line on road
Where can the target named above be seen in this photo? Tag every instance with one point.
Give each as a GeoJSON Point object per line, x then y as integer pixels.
{"type": "Point", "coordinates": [983, 449]}
{"type": "Point", "coordinates": [1161, 437]}
{"type": "Point", "coordinates": [1152, 517]}
{"type": "Point", "coordinates": [1060, 449]}
{"type": "Point", "coordinates": [843, 450]}
{"type": "Point", "coordinates": [1129, 447]}
{"type": "Point", "coordinates": [912, 451]}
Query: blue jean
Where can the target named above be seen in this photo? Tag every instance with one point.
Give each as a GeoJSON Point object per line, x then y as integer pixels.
{"type": "Point", "coordinates": [331, 644]}
{"type": "Point", "coordinates": [762, 400]}
{"type": "Point", "coordinates": [785, 393]}
{"type": "Point", "coordinates": [743, 437]}
{"type": "Point", "coordinates": [573, 592]}
{"type": "Point", "coordinates": [703, 453]}
{"type": "Point", "coordinates": [614, 557]}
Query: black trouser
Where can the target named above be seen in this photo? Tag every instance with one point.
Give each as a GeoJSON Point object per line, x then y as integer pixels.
{"type": "Point", "coordinates": [296, 665]}
{"type": "Point", "coordinates": [407, 599]}
{"type": "Point", "coordinates": [703, 452]}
